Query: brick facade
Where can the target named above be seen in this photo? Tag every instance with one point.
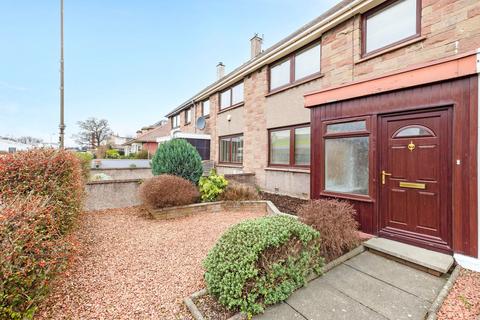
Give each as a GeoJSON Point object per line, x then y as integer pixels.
{"type": "Point", "coordinates": [448, 28]}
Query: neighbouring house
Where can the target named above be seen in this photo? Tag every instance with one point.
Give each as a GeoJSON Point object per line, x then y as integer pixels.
{"type": "Point", "coordinates": [117, 142]}
{"type": "Point", "coordinates": [374, 102]}
{"type": "Point", "coordinates": [10, 146]}
{"type": "Point", "coordinates": [146, 138]}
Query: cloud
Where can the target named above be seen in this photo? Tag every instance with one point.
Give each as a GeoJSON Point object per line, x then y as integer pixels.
{"type": "Point", "coordinates": [6, 85]}
{"type": "Point", "coordinates": [8, 109]}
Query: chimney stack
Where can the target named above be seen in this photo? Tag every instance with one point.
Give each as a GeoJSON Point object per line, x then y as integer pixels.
{"type": "Point", "coordinates": [256, 45]}
{"type": "Point", "coordinates": [220, 70]}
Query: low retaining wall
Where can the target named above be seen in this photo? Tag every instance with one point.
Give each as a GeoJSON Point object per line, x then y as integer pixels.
{"type": "Point", "coordinates": [232, 206]}
{"type": "Point", "coordinates": [111, 194]}
{"type": "Point", "coordinates": [124, 173]}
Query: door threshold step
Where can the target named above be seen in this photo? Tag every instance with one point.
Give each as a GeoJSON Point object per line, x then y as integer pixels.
{"type": "Point", "coordinates": [430, 260]}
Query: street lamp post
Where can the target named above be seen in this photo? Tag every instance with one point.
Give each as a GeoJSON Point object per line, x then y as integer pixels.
{"type": "Point", "coordinates": [62, 93]}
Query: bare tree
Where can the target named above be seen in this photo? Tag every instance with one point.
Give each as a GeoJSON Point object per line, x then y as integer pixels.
{"type": "Point", "coordinates": [93, 132]}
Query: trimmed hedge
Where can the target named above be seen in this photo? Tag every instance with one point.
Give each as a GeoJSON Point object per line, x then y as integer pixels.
{"type": "Point", "coordinates": [45, 172]}
{"type": "Point", "coordinates": [179, 158]}
{"type": "Point", "coordinates": [41, 193]}
{"type": "Point", "coordinates": [167, 191]}
{"type": "Point", "coordinates": [260, 262]}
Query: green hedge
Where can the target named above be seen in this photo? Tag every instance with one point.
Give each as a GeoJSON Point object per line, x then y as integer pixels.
{"type": "Point", "coordinates": [261, 262]}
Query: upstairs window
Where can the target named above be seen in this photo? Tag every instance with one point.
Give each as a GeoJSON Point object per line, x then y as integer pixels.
{"type": "Point", "coordinates": [298, 66]}
{"type": "Point", "coordinates": [232, 96]}
{"type": "Point", "coordinates": [389, 24]}
{"type": "Point", "coordinates": [188, 115]}
{"type": "Point", "coordinates": [206, 108]}
{"type": "Point", "coordinates": [176, 121]}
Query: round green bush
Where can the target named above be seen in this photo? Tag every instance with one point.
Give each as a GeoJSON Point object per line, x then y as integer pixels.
{"type": "Point", "coordinates": [179, 158]}
{"type": "Point", "coordinates": [260, 262]}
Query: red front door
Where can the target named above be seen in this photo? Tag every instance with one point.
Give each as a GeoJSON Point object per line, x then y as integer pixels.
{"type": "Point", "coordinates": [415, 198]}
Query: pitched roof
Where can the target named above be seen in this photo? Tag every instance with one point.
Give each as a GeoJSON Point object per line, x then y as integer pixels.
{"type": "Point", "coordinates": [342, 4]}
{"type": "Point", "coordinates": [151, 135]}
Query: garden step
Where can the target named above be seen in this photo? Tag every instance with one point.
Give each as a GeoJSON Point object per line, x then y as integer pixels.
{"type": "Point", "coordinates": [437, 262]}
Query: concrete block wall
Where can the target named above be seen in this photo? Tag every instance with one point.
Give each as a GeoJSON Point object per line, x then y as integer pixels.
{"type": "Point", "coordinates": [112, 194]}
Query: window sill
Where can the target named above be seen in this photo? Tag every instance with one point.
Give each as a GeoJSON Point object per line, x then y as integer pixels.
{"type": "Point", "coordinates": [230, 165]}
{"type": "Point", "coordinates": [238, 105]}
{"type": "Point", "coordinates": [295, 84]}
{"type": "Point", "coordinates": [390, 49]}
{"type": "Point", "coordinates": [288, 169]}
{"type": "Point", "coordinates": [347, 196]}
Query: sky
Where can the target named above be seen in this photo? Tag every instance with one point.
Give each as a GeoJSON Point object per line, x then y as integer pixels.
{"type": "Point", "coordinates": [129, 62]}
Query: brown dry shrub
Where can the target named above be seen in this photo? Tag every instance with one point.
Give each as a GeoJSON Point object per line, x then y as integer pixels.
{"type": "Point", "coordinates": [335, 220]}
{"type": "Point", "coordinates": [167, 191]}
{"type": "Point", "coordinates": [236, 191]}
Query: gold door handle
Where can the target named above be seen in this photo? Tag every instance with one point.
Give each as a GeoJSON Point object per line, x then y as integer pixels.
{"type": "Point", "coordinates": [384, 174]}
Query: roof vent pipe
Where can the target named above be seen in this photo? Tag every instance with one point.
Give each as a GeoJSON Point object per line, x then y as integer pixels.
{"type": "Point", "coordinates": [256, 45]}
{"type": "Point", "coordinates": [220, 70]}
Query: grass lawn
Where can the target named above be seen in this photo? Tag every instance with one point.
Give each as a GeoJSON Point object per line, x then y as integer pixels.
{"type": "Point", "coordinates": [132, 267]}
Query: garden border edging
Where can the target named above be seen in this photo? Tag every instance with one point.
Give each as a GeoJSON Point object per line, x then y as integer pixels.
{"type": "Point", "coordinates": [197, 315]}
{"type": "Point", "coordinates": [218, 206]}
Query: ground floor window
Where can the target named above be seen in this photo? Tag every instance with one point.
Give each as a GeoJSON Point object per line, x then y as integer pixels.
{"type": "Point", "coordinates": [346, 157]}
{"type": "Point", "coordinates": [231, 149]}
{"type": "Point", "coordinates": [290, 146]}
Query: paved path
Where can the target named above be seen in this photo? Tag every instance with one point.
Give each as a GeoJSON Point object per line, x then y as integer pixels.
{"type": "Point", "coordinates": [365, 287]}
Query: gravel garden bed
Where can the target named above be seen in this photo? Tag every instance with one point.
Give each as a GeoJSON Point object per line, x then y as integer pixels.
{"type": "Point", "coordinates": [132, 267]}
{"type": "Point", "coordinates": [463, 300]}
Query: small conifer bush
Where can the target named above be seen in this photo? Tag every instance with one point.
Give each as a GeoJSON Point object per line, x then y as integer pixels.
{"type": "Point", "coordinates": [260, 262]}
{"type": "Point", "coordinates": [179, 158]}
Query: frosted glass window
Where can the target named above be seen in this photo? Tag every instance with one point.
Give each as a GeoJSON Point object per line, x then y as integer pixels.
{"type": "Point", "coordinates": [280, 75]}
{"type": "Point", "coordinates": [280, 147]}
{"type": "Point", "coordinates": [225, 99]}
{"type": "Point", "coordinates": [413, 131]}
{"type": "Point", "coordinates": [391, 24]}
{"type": "Point", "coordinates": [307, 62]}
{"type": "Point", "coordinates": [206, 108]}
{"type": "Point", "coordinates": [347, 127]}
{"type": "Point", "coordinates": [346, 165]}
{"type": "Point", "coordinates": [237, 94]}
{"type": "Point", "coordinates": [302, 146]}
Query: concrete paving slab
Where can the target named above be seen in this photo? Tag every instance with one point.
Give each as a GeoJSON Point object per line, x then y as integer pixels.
{"type": "Point", "coordinates": [320, 301]}
{"type": "Point", "coordinates": [429, 259]}
{"type": "Point", "coordinates": [377, 295]}
{"type": "Point", "coordinates": [416, 282]}
{"type": "Point", "coordinates": [281, 311]}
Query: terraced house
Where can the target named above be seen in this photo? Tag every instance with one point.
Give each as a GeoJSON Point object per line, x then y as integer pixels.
{"type": "Point", "coordinates": [375, 102]}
